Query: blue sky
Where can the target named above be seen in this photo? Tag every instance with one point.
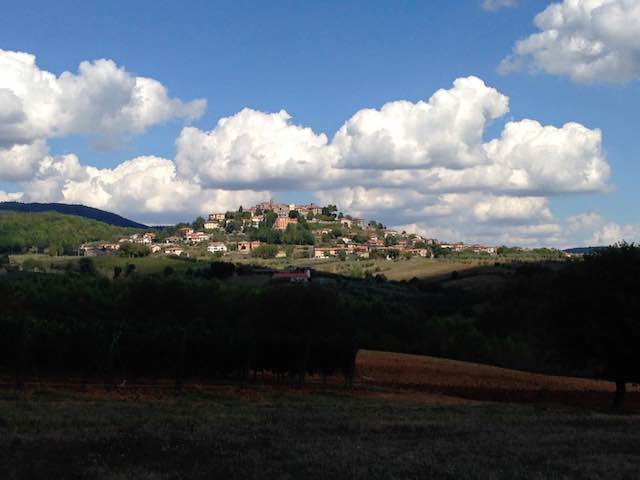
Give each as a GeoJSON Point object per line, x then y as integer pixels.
{"type": "Point", "coordinates": [322, 62]}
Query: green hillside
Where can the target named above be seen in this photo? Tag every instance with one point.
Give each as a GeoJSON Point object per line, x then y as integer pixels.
{"type": "Point", "coordinates": [52, 232]}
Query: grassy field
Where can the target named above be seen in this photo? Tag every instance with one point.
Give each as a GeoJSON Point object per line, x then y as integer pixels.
{"type": "Point", "coordinates": [408, 417]}
{"type": "Point", "coordinates": [393, 270]}
{"type": "Point", "coordinates": [422, 268]}
{"type": "Point", "coordinates": [315, 436]}
{"type": "Point", "coordinates": [106, 264]}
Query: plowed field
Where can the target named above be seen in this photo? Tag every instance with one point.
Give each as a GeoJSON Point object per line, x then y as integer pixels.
{"type": "Point", "coordinates": [449, 381]}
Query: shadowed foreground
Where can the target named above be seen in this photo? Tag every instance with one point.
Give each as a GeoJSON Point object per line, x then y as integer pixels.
{"type": "Point", "coordinates": [408, 417]}
{"type": "Point", "coordinates": [321, 435]}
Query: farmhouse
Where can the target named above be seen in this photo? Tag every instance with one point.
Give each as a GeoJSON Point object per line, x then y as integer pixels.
{"type": "Point", "coordinates": [420, 252]}
{"type": "Point", "coordinates": [197, 237]}
{"type": "Point", "coordinates": [88, 251]}
{"type": "Point", "coordinates": [216, 247]}
{"type": "Point", "coordinates": [171, 240]}
{"type": "Point", "coordinates": [212, 225]}
{"type": "Point", "coordinates": [246, 247]}
{"type": "Point", "coordinates": [308, 209]}
{"type": "Point", "coordinates": [176, 251]}
{"type": "Point", "coordinates": [185, 231]}
{"type": "Point", "coordinates": [256, 220]}
{"type": "Point", "coordinates": [324, 252]}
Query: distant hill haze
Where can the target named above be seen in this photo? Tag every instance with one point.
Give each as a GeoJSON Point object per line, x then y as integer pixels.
{"type": "Point", "coordinates": [78, 210]}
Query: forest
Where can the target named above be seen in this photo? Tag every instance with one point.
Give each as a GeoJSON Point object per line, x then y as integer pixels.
{"type": "Point", "coordinates": [578, 318]}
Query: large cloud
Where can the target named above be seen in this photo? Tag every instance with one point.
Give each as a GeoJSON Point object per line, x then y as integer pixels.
{"type": "Point", "coordinates": [146, 188]}
{"type": "Point", "coordinates": [447, 130]}
{"type": "Point", "coordinates": [101, 99]}
{"type": "Point", "coordinates": [434, 146]}
{"type": "Point", "coordinates": [425, 164]}
{"type": "Point", "coordinates": [587, 40]}
{"type": "Point", "coordinates": [254, 149]}
{"type": "Point", "coordinates": [18, 162]}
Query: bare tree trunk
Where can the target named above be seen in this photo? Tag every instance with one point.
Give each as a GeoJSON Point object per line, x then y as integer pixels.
{"type": "Point", "coordinates": [21, 357]}
{"type": "Point", "coordinates": [180, 364]}
{"type": "Point", "coordinates": [621, 390]}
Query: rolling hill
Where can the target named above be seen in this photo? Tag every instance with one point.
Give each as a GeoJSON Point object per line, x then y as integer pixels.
{"type": "Point", "coordinates": [78, 210]}
{"type": "Point", "coordinates": [53, 232]}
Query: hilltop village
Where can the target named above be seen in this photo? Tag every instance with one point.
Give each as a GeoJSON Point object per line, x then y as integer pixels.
{"type": "Point", "coordinates": [277, 230]}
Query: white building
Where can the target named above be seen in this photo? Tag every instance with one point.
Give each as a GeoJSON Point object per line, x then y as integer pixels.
{"type": "Point", "coordinates": [212, 225]}
{"type": "Point", "coordinates": [216, 247]}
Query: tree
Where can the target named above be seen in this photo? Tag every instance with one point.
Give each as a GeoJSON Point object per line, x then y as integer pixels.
{"type": "Point", "coordinates": [131, 268]}
{"type": "Point", "coordinates": [329, 211]}
{"type": "Point", "coordinates": [337, 232]}
{"type": "Point", "coordinates": [294, 214]}
{"type": "Point", "coordinates": [233, 226]}
{"type": "Point", "coordinates": [296, 234]}
{"type": "Point", "coordinates": [265, 251]}
{"type": "Point", "coordinates": [86, 266]}
{"type": "Point", "coordinates": [266, 234]}
{"type": "Point", "coordinates": [198, 224]}
{"type": "Point", "coordinates": [135, 250]}
{"type": "Point", "coordinates": [270, 218]}
{"type": "Point", "coordinates": [168, 271]}
{"type": "Point", "coordinates": [596, 315]}
{"type": "Point", "coordinates": [360, 237]}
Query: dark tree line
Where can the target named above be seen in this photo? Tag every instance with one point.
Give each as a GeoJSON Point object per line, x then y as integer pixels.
{"type": "Point", "coordinates": [174, 326]}
{"type": "Point", "coordinates": [578, 318]}
{"type": "Point", "coordinates": [583, 319]}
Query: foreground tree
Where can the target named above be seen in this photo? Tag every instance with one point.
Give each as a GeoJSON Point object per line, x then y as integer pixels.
{"type": "Point", "coordinates": [596, 311]}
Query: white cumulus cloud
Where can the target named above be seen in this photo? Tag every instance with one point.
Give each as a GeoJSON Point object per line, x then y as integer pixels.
{"type": "Point", "coordinates": [146, 188]}
{"type": "Point", "coordinates": [252, 149]}
{"type": "Point", "coordinates": [427, 164]}
{"type": "Point", "coordinates": [447, 130]}
{"type": "Point", "coordinates": [102, 99]}
{"type": "Point", "coordinates": [18, 162]}
{"type": "Point", "coordinates": [586, 40]}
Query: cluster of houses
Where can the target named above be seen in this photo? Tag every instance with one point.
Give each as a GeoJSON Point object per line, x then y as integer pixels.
{"type": "Point", "coordinates": [356, 239]}
{"type": "Point", "coordinates": [460, 247]}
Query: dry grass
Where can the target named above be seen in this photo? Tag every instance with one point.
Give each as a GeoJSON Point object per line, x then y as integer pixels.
{"type": "Point", "coordinates": [409, 417]}
{"type": "Point", "coordinates": [321, 436]}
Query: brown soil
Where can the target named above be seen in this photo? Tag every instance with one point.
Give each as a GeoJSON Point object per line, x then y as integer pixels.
{"type": "Point", "coordinates": [451, 379]}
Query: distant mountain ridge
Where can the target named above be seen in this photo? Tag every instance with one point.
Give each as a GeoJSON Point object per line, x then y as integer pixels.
{"type": "Point", "coordinates": [67, 209]}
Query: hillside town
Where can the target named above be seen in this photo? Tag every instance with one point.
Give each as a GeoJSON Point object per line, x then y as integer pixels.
{"type": "Point", "coordinates": [278, 230]}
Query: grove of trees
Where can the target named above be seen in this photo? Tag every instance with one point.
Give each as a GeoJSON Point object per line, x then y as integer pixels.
{"type": "Point", "coordinates": [172, 327]}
